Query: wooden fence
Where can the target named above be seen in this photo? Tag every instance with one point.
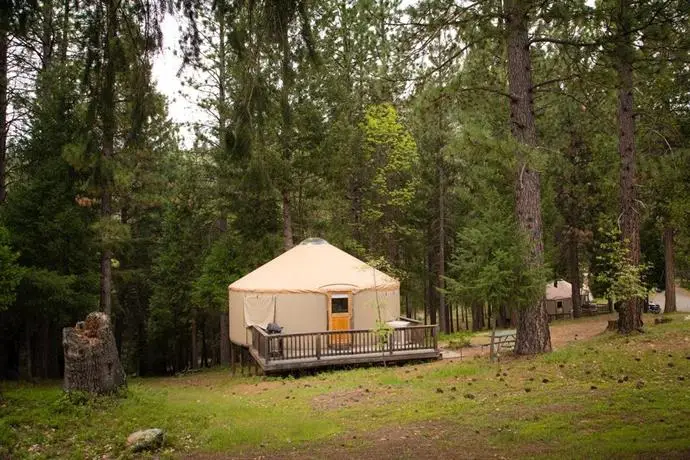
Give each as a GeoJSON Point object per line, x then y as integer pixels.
{"type": "Point", "coordinates": [317, 345]}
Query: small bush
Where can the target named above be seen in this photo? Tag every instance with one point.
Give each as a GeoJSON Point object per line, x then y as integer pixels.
{"type": "Point", "coordinates": [457, 340]}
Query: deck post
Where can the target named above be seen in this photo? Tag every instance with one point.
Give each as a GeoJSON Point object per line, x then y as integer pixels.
{"type": "Point", "coordinates": [318, 346]}
{"type": "Point", "coordinates": [434, 333]}
{"type": "Point", "coordinates": [390, 341]}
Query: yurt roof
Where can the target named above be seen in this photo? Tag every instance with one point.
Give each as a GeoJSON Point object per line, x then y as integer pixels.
{"type": "Point", "coordinates": [563, 290]}
{"type": "Point", "coordinates": [314, 266]}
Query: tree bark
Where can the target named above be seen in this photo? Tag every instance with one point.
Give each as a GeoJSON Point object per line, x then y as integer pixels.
{"type": "Point", "coordinates": [285, 136]}
{"type": "Point", "coordinates": [629, 316]}
{"type": "Point", "coordinates": [477, 316]}
{"type": "Point", "coordinates": [195, 349]}
{"type": "Point", "coordinates": [224, 339]}
{"type": "Point", "coordinates": [91, 360]}
{"type": "Point", "coordinates": [442, 307]}
{"type": "Point", "coordinates": [64, 40]}
{"type": "Point", "coordinates": [25, 353]}
{"type": "Point", "coordinates": [574, 275]}
{"type": "Point", "coordinates": [107, 107]}
{"type": "Point", "coordinates": [670, 271]}
{"type": "Point", "coordinates": [288, 241]}
{"type": "Point", "coordinates": [533, 334]}
{"type": "Point", "coordinates": [4, 47]}
{"type": "Point", "coordinates": [47, 34]}
{"type": "Point", "coordinates": [431, 289]}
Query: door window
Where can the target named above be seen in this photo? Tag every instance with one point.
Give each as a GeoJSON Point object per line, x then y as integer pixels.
{"type": "Point", "coordinates": [339, 305]}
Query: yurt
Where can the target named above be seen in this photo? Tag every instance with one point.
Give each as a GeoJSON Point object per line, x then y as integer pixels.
{"type": "Point", "coordinates": [559, 298]}
{"type": "Point", "coordinates": [313, 287]}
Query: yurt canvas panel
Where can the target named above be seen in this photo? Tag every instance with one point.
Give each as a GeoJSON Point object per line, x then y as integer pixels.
{"type": "Point", "coordinates": [366, 313]}
{"type": "Point", "coordinates": [298, 313]}
{"type": "Point", "coordinates": [238, 329]}
{"type": "Point", "coordinates": [314, 266]}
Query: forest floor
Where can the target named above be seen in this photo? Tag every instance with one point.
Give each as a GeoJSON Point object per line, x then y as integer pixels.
{"type": "Point", "coordinates": [562, 333]}
{"type": "Point", "coordinates": [603, 396]}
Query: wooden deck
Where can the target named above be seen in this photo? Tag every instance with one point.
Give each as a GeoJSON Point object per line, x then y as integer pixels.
{"type": "Point", "coordinates": [284, 352]}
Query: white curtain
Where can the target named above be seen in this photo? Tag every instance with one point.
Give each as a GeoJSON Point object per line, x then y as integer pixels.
{"type": "Point", "coordinates": [259, 309]}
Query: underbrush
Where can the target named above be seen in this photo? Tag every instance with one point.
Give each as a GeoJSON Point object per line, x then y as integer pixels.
{"type": "Point", "coordinates": [456, 340]}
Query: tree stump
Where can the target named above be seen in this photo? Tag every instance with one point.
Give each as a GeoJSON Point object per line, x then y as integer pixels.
{"type": "Point", "coordinates": [92, 363]}
{"type": "Point", "coordinates": [613, 325]}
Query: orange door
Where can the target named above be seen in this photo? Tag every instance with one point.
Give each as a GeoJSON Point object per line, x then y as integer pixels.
{"type": "Point", "coordinates": [339, 318]}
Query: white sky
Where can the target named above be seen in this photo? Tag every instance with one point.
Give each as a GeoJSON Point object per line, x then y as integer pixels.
{"type": "Point", "coordinates": [166, 64]}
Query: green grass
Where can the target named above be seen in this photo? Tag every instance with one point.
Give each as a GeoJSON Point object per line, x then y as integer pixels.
{"type": "Point", "coordinates": [609, 396]}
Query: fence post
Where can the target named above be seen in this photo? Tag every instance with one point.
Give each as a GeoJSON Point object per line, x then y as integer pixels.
{"type": "Point", "coordinates": [434, 334]}
{"type": "Point", "coordinates": [318, 346]}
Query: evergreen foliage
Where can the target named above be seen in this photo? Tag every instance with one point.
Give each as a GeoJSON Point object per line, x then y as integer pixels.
{"type": "Point", "coordinates": [382, 126]}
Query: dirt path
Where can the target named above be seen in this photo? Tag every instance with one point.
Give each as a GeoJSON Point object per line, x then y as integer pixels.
{"type": "Point", "coordinates": [682, 299]}
{"type": "Point", "coordinates": [562, 332]}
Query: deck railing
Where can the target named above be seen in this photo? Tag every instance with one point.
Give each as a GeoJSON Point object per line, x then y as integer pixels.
{"type": "Point", "coordinates": [317, 345]}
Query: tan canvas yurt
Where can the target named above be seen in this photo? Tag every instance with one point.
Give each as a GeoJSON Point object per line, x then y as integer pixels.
{"type": "Point", "coordinates": [313, 287]}
{"type": "Point", "coordinates": [559, 298]}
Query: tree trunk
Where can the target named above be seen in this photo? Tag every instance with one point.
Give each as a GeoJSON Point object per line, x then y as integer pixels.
{"type": "Point", "coordinates": [288, 242]}
{"type": "Point", "coordinates": [47, 34]}
{"type": "Point", "coordinates": [533, 334]}
{"type": "Point", "coordinates": [629, 316]}
{"type": "Point", "coordinates": [64, 40]}
{"type": "Point", "coordinates": [431, 289]}
{"type": "Point", "coordinates": [477, 316]}
{"type": "Point", "coordinates": [442, 307]}
{"type": "Point", "coordinates": [91, 360]}
{"type": "Point", "coordinates": [107, 107]}
{"type": "Point", "coordinates": [670, 271]}
{"type": "Point", "coordinates": [25, 353]}
{"type": "Point", "coordinates": [285, 136]}
{"type": "Point", "coordinates": [574, 275]}
{"type": "Point", "coordinates": [224, 339]}
{"type": "Point", "coordinates": [195, 348]}
{"type": "Point", "coordinates": [4, 46]}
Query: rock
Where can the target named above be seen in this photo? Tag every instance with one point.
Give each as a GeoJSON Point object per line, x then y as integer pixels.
{"type": "Point", "coordinates": [150, 439]}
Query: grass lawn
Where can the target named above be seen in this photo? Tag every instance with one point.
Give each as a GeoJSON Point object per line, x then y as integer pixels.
{"type": "Point", "coordinates": [607, 396]}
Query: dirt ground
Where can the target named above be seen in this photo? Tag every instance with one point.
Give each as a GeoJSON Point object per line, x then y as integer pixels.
{"type": "Point", "coordinates": [562, 332]}
{"type": "Point", "coordinates": [682, 299]}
